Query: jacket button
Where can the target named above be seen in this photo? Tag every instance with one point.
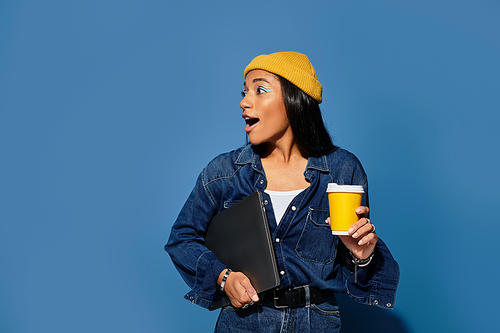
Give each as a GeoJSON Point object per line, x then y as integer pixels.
{"type": "Point", "coordinates": [277, 240]}
{"type": "Point", "coordinates": [389, 305]}
{"type": "Point", "coordinates": [375, 302]}
{"type": "Point", "coordinates": [282, 272]}
{"type": "Point", "coordinates": [265, 202]}
{"type": "Point", "coordinates": [261, 182]}
{"type": "Point", "coordinates": [294, 208]}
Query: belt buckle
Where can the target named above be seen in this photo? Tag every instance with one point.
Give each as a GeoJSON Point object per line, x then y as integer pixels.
{"type": "Point", "coordinates": [275, 301]}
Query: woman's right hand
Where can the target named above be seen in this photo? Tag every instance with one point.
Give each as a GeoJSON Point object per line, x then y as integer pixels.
{"type": "Point", "coordinates": [239, 289]}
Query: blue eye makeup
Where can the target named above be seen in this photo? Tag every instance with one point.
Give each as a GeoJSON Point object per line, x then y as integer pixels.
{"type": "Point", "coordinates": [260, 89]}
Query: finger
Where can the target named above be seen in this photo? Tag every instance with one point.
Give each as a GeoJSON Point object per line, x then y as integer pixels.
{"type": "Point", "coordinates": [371, 239]}
{"type": "Point", "coordinates": [250, 291]}
{"type": "Point", "coordinates": [240, 298]}
{"type": "Point", "coordinates": [328, 220]}
{"type": "Point", "coordinates": [237, 304]}
{"type": "Point", "coordinates": [236, 289]}
{"type": "Point", "coordinates": [361, 227]}
{"type": "Point", "coordinates": [366, 228]}
{"type": "Point", "coordinates": [362, 211]}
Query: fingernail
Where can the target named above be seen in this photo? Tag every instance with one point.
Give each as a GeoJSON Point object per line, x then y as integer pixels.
{"type": "Point", "coordinates": [350, 230]}
{"type": "Point", "coordinates": [360, 242]}
{"type": "Point", "coordinates": [354, 235]}
{"type": "Point", "coordinates": [255, 298]}
{"type": "Point", "coordinates": [358, 210]}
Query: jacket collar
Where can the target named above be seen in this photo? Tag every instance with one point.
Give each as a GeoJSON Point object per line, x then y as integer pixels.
{"type": "Point", "coordinates": [248, 156]}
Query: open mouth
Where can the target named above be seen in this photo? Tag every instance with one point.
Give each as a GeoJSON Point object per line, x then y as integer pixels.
{"type": "Point", "coordinates": [251, 121]}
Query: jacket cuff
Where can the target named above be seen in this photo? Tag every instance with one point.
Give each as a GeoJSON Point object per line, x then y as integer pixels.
{"type": "Point", "coordinates": [376, 283]}
{"type": "Point", "coordinates": [206, 291]}
{"type": "Point", "coordinates": [217, 268]}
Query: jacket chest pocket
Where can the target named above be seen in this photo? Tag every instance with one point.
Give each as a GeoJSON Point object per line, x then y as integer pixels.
{"type": "Point", "coordinates": [316, 243]}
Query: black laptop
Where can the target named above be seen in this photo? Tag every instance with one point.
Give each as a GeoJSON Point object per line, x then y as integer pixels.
{"type": "Point", "coordinates": [240, 238]}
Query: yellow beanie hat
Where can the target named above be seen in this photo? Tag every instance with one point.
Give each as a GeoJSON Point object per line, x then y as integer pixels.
{"type": "Point", "coordinates": [293, 66]}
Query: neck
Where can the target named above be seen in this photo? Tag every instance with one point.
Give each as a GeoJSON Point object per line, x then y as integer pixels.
{"type": "Point", "coordinates": [284, 166]}
{"type": "Point", "coordinates": [283, 151]}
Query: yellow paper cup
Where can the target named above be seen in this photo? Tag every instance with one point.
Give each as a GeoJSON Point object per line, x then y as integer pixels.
{"type": "Point", "coordinates": [343, 201]}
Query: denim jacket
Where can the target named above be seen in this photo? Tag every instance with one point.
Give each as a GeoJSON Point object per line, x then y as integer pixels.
{"type": "Point", "coordinates": [306, 251]}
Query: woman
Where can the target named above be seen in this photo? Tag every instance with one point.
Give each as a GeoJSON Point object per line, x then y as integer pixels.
{"type": "Point", "coordinates": [290, 159]}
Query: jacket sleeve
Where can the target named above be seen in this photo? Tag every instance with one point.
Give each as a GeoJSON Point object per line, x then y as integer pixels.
{"type": "Point", "coordinates": [197, 265]}
{"type": "Point", "coordinates": [376, 283]}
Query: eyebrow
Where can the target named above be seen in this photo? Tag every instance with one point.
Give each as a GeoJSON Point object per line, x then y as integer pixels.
{"type": "Point", "coordinates": [257, 80]}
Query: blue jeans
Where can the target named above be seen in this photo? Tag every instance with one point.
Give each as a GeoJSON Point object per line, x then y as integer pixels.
{"type": "Point", "coordinates": [259, 318]}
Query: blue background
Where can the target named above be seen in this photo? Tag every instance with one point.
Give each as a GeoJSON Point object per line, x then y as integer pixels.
{"type": "Point", "coordinates": [109, 110]}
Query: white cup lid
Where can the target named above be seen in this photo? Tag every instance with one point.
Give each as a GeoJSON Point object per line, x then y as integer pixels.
{"type": "Point", "coordinates": [334, 187]}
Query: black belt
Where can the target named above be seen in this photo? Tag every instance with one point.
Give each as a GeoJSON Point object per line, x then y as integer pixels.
{"type": "Point", "coordinates": [296, 297]}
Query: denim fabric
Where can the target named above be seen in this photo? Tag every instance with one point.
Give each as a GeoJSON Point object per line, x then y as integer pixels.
{"type": "Point", "coordinates": [306, 251]}
{"type": "Point", "coordinates": [259, 318]}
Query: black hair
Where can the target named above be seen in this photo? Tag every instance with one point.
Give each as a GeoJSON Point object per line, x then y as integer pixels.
{"type": "Point", "coordinates": [304, 116]}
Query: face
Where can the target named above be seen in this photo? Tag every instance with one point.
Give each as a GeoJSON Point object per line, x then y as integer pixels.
{"type": "Point", "coordinates": [263, 108]}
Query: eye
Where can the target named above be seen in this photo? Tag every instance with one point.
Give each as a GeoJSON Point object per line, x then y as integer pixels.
{"type": "Point", "coordinates": [244, 93]}
{"type": "Point", "coordinates": [262, 89]}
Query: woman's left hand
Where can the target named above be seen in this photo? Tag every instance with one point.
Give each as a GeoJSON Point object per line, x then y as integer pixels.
{"type": "Point", "coordinates": [362, 237]}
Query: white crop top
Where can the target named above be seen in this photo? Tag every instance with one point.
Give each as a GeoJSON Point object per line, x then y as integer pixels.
{"type": "Point", "coordinates": [281, 200]}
